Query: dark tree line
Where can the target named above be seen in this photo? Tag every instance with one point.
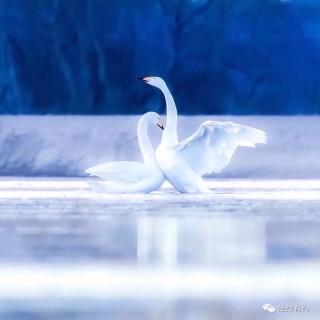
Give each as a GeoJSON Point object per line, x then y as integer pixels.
{"type": "Point", "coordinates": [219, 56]}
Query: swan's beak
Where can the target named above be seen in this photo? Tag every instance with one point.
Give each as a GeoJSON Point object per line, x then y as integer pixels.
{"type": "Point", "coordinates": [160, 125]}
{"type": "Point", "coordinates": [145, 79]}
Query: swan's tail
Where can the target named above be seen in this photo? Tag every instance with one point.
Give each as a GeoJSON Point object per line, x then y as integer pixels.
{"type": "Point", "coordinates": [122, 171]}
{"type": "Point", "coordinates": [249, 137]}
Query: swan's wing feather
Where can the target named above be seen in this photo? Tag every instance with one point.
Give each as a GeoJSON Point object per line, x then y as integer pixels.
{"type": "Point", "coordinates": [211, 147]}
{"type": "Point", "coordinates": [123, 171]}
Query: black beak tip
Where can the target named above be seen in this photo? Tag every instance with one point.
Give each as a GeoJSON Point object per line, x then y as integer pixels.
{"type": "Point", "coordinates": [140, 78]}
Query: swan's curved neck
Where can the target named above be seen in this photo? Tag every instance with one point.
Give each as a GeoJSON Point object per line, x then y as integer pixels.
{"type": "Point", "coordinates": [170, 136]}
{"type": "Point", "coordinates": [144, 142]}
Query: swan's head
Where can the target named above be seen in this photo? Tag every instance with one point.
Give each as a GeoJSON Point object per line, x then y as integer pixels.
{"type": "Point", "coordinates": [154, 81]}
{"type": "Point", "coordinates": [155, 118]}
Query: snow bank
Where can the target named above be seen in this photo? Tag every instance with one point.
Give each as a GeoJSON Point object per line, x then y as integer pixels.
{"type": "Point", "coordinates": [66, 145]}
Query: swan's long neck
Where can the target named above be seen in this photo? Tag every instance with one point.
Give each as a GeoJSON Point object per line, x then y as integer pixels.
{"type": "Point", "coordinates": [170, 136]}
{"type": "Point", "coordinates": [144, 142]}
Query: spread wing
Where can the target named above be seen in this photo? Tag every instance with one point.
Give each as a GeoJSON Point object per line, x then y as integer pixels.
{"type": "Point", "coordinates": [211, 147]}
{"type": "Point", "coordinates": [123, 171]}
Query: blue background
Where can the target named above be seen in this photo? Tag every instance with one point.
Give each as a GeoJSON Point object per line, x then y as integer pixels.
{"type": "Point", "coordinates": [218, 56]}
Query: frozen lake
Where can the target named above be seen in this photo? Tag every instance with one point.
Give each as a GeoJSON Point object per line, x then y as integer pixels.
{"type": "Point", "coordinates": [67, 252]}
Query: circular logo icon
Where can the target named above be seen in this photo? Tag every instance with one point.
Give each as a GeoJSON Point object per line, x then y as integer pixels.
{"type": "Point", "coordinates": [268, 307]}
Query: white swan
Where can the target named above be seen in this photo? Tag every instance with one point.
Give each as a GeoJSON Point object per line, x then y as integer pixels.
{"type": "Point", "coordinates": [130, 176]}
{"type": "Point", "coordinates": [207, 151]}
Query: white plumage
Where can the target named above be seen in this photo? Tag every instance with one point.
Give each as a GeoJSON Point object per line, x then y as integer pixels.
{"type": "Point", "coordinates": [131, 176]}
{"type": "Point", "coordinates": [208, 150]}
{"type": "Point", "coordinates": [122, 171]}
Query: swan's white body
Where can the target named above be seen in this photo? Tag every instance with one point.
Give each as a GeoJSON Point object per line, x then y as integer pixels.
{"type": "Point", "coordinates": [208, 150]}
{"type": "Point", "coordinates": [130, 176]}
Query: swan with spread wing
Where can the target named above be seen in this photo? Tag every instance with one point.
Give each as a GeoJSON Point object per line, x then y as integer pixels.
{"type": "Point", "coordinates": [207, 151]}
{"type": "Point", "coordinates": [131, 176]}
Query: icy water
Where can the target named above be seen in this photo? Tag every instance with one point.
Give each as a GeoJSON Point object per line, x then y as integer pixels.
{"type": "Point", "coordinates": [67, 252]}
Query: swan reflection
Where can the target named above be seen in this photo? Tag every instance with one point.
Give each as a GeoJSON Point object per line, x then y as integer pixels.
{"type": "Point", "coordinates": [170, 241]}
